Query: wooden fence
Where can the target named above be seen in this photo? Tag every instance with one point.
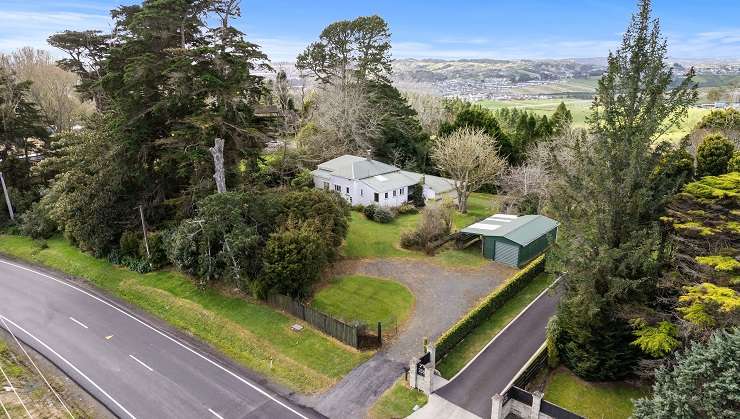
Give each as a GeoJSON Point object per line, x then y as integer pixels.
{"type": "Point", "coordinates": [355, 335]}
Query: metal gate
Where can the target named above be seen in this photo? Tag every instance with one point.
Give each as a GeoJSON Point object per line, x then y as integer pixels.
{"type": "Point", "coordinates": [507, 253]}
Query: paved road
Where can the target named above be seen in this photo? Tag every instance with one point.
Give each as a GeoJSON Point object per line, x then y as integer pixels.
{"type": "Point", "coordinates": [493, 369]}
{"type": "Point", "coordinates": [133, 367]}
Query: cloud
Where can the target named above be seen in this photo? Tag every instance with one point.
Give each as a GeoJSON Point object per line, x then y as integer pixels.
{"type": "Point", "coordinates": [279, 49]}
{"type": "Point", "coordinates": [22, 28]}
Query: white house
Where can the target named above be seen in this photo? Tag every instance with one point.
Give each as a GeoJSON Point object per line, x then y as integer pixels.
{"type": "Point", "coordinates": [364, 181]}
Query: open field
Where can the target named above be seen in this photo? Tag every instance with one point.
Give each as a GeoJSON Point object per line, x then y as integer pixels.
{"type": "Point", "coordinates": [592, 400]}
{"type": "Point", "coordinates": [365, 299]}
{"type": "Point", "coordinates": [368, 239]}
{"type": "Point", "coordinates": [580, 109]}
{"type": "Point", "coordinates": [479, 338]}
{"type": "Point", "coordinates": [245, 330]}
{"type": "Point", "coordinates": [397, 402]}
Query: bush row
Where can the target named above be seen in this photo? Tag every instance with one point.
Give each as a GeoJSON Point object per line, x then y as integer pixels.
{"type": "Point", "coordinates": [491, 303]}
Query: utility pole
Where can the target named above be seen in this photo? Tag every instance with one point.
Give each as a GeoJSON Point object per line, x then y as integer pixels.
{"type": "Point", "coordinates": [143, 227]}
{"type": "Point", "coordinates": [7, 197]}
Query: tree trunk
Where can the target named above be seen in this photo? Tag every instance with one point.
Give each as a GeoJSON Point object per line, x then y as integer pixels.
{"type": "Point", "coordinates": [218, 162]}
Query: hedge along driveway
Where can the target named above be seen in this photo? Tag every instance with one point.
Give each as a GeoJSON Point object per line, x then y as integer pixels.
{"type": "Point", "coordinates": [246, 331]}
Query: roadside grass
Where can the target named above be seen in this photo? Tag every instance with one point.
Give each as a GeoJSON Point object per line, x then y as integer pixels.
{"type": "Point", "coordinates": [464, 351]}
{"type": "Point", "coordinates": [397, 402]}
{"type": "Point", "coordinates": [31, 388]}
{"type": "Point", "coordinates": [580, 108]}
{"type": "Point", "coordinates": [243, 329]}
{"type": "Point", "coordinates": [368, 239]}
{"type": "Point", "coordinates": [592, 400]}
{"type": "Point", "coordinates": [367, 300]}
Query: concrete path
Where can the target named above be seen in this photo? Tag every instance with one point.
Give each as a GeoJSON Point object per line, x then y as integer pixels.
{"type": "Point", "coordinates": [494, 369]}
{"type": "Point", "coordinates": [443, 295]}
{"type": "Point", "coordinates": [133, 365]}
{"type": "Point", "coordinates": [437, 408]}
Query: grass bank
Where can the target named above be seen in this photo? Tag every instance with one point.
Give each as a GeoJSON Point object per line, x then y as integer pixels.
{"type": "Point", "coordinates": [365, 299]}
{"type": "Point", "coordinates": [369, 239]}
{"type": "Point", "coordinates": [592, 400]}
{"type": "Point", "coordinates": [245, 330]}
{"type": "Point", "coordinates": [32, 390]}
{"type": "Point", "coordinates": [397, 402]}
{"type": "Point", "coordinates": [474, 342]}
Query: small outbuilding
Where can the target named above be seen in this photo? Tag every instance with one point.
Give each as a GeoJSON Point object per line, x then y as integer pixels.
{"type": "Point", "coordinates": [514, 240]}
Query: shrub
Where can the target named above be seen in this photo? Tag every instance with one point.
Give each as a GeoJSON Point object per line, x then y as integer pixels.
{"type": "Point", "coordinates": [383, 215]}
{"type": "Point", "coordinates": [407, 208]}
{"type": "Point", "coordinates": [734, 164]}
{"type": "Point", "coordinates": [304, 179]}
{"type": "Point", "coordinates": [713, 155]}
{"type": "Point", "coordinates": [491, 303]}
{"type": "Point", "coordinates": [416, 194]}
{"type": "Point", "coordinates": [358, 208]}
{"type": "Point", "coordinates": [157, 249]}
{"type": "Point", "coordinates": [139, 265]}
{"type": "Point", "coordinates": [369, 211]}
{"type": "Point", "coordinates": [435, 223]}
{"type": "Point", "coordinates": [37, 224]}
{"type": "Point", "coordinates": [129, 244]}
{"type": "Point", "coordinates": [293, 260]}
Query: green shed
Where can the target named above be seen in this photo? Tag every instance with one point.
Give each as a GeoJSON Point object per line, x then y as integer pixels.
{"type": "Point", "coordinates": [513, 240]}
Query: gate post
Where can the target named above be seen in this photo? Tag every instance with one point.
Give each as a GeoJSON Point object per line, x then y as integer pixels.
{"type": "Point", "coordinates": [497, 406]}
{"type": "Point", "coordinates": [412, 372]}
{"type": "Point", "coordinates": [536, 402]}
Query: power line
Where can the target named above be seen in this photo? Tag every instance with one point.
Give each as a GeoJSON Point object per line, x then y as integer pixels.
{"type": "Point", "coordinates": [16, 393]}
{"type": "Point", "coordinates": [5, 325]}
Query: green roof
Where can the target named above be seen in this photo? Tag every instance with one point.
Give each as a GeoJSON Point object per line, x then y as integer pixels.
{"type": "Point", "coordinates": [521, 230]}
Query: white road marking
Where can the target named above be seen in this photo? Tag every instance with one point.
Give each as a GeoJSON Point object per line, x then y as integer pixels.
{"type": "Point", "coordinates": [37, 369]}
{"type": "Point", "coordinates": [78, 322]}
{"type": "Point", "coordinates": [140, 362]}
{"type": "Point", "coordinates": [70, 364]}
{"type": "Point", "coordinates": [163, 334]}
{"type": "Point", "coordinates": [215, 414]}
{"type": "Point", "coordinates": [16, 393]}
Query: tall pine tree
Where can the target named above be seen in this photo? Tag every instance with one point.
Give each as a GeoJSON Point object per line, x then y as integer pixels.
{"type": "Point", "coordinates": [610, 247]}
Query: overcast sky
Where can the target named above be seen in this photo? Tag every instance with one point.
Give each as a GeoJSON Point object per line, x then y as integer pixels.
{"type": "Point", "coordinates": [428, 28]}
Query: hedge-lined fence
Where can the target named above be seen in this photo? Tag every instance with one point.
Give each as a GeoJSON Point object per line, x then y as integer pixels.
{"type": "Point", "coordinates": [485, 309]}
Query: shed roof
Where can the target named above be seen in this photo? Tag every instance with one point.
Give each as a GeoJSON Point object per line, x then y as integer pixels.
{"type": "Point", "coordinates": [521, 230]}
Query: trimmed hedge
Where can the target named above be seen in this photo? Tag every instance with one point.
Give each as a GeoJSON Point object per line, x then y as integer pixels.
{"type": "Point", "coordinates": [485, 309]}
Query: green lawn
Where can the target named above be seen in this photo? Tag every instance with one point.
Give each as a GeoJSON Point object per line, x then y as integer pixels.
{"type": "Point", "coordinates": [581, 108]}
{"type": "Point", "coordinates": [592, 400]}
{"type": "Point", "coordinates": [368, 239]}
{"type": "Point", "coordinates": [479, 338]}
{"type": "Point", "coordinates": [245, 330]}
{"type": "Point", "coordinates": [365, 299]}
{"type": "Point", "coordinates": [397, 402]}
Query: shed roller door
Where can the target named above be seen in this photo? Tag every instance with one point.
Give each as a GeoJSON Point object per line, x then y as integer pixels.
{"type": "Point", "coordinates": [507, 253]}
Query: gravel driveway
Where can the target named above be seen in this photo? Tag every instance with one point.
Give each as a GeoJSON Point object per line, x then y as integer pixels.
{"type": "Point", "coordinates": [443, 295]}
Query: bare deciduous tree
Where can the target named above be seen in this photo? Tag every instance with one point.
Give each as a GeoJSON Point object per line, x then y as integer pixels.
{"type": "Point", "coordinates": [53, 88]}
{"type": "Point", "coordinates": [430, 109]}
{"type": "Point", "coordinates": [344, 122]}
{"type": "Point", "coordinates": [470, 158]}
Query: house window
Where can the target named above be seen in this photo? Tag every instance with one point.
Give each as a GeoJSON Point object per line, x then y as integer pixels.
{"type": "Point", "coordinates": [347, 189]}
{"type": "Point", "coordinates": [377, 198]}
{"type": "Point", "coordinates": [337, 188]}
{"type": "Point", "coordinates": [326, 185]}
{"type": "Point", "coordinates": [394, 192]}
{"type": "Point", "coordinates": [361, 192]}
{"type": "Point", "coordinates": [386, 195]}
{"type": "Point", "coordinates": [401, 191]}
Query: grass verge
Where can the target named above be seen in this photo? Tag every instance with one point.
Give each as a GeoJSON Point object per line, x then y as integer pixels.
{"type": "Point", "coordinates": [592, 400]}
{"type": "Point", "coordinates": [481, 335]}
{"type": "Point", "coordinates": [397, 402]}
{"type": "Point", "coordinates": [245, 330]}
{"type": "Point", "coordinates": [365, 299]}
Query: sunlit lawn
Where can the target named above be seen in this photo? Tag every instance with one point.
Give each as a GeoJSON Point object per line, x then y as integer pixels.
{"type": "Point", "coordinates": [592, 400]}
{"type": "Point", "coordinates": [365, 299]}
{"type": "Point", "coordinates": [397, 402]}
{"type": "Point", "coordinates": [368, 239]}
